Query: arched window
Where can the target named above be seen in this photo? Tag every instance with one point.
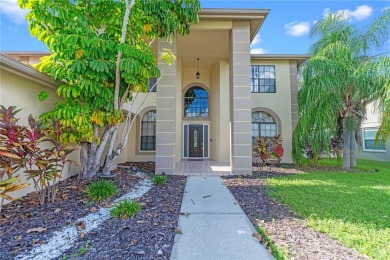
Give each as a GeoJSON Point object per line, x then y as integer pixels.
{"type": "Point", "coordinates": [263, 124]}
{"type": "Point", "coordinates": [196, 102]}
{"type": "Point", "coordinates": [148, 131]}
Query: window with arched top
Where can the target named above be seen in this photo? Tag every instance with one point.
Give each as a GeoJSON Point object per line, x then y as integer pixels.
{"type": "Point", "coordinates": [196, 102]}
{"type": "Point", "coordinates": [148, 131]}
{"type": "Point", "coordinates": [263, 124]}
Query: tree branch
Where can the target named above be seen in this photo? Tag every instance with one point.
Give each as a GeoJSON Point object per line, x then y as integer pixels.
{"type": "Point", "coordinates": [119, 56]}
{"type": "Point", "coordinates": [126, 135]}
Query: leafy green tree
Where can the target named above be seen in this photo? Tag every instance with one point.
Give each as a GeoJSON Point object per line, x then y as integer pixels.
{"type": "Point", "coordinates": [338, 81]}
{"type": "Point", "coordinates": [101, 52]}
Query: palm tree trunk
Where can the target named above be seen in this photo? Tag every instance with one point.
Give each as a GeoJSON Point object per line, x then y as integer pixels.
{"type": "Point", "coordinates": [353, 148]}
{"type": "Point", "coordinates": [346, 146]}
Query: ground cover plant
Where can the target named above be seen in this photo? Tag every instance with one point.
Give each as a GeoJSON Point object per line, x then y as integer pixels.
{"type": "Point", "coordinates": [125, 209]}
{"type": "Point", "coordinates": [101, 190]}
{"type": "Point", "coordinates": [159, 180]}
{"type": "Point", "coordinates": [353, 207]}
{"type": "Point", "coordinates": [148, 235]}
{"type": "Point", "coordinates": [71, 203]}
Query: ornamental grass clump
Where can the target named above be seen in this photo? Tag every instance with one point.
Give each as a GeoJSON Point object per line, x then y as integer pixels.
{"type": "Point", "coordinates": [159, 180]}
{"type": "Point", "coordinates": [125, 209]}
{"type": "Point", "coordinates": [101, 190]}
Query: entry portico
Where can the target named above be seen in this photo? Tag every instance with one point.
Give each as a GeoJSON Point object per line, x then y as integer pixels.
{"type": "Point", "coordinates": [208, 117]}
{"type": "Point", "coordinates": [215, 98]}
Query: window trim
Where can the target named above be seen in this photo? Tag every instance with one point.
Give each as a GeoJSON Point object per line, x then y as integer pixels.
{"type": "Point", "coordinates": [273, 114]}
{"type": "Point", "coordinates": [259, 92]}
{"type": "Point", "coordinates": [155, 88]}
{"type": "Point", "coordinates": [364, 143]}
{"type": "Point", "coordinates": [137, 144]}
{"type": "Point", "coordinates": [264, 123]}
{"type": "Point", "coordinates": [155, 136]}
{"type": "Point", "coordinates": [267, 123]}
{"type": "Point", "coordinates": [183, 102]}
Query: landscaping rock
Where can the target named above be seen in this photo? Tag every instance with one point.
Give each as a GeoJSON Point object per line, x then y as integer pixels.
{"type": "Point", "coordinates": [141, 239]}
{"type": "Point", "coordinates": [71, 204]}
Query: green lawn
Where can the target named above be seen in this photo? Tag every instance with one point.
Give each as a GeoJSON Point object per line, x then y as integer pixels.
{"type": "Point", "coordinates": [353, 208]}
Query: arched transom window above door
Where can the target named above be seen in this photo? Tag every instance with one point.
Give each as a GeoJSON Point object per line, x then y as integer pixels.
{"type": "Point", "coordinates": [196, 103]}
{"type": "Point", "coordinates": [263, 124]}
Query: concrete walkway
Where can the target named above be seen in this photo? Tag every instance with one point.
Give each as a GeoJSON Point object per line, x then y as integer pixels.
{"type": "Point", "coordinates": [213, 225]}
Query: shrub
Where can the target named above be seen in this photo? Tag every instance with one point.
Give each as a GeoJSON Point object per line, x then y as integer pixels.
{"type": "Point", "coordinates": [45, 165]}
{"type": "Point", "coordinates": [159, 180]}
{"type": "Point", "coordinates": [336, 148]}
{"type": "Point", "coordinates": [25, 149]}
{"type": "Point", "coordinates": [268, 148]}
{"type": "Point", "coordinates": [101, 190]}
{"type": "Point", "coordinates": [125, 209]}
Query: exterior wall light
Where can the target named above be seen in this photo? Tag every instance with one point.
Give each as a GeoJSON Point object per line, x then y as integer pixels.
{"type": "Point", "coordinates": [197, 70]}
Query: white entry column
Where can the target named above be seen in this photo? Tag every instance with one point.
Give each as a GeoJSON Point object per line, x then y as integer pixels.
{"type": "Point", "coordinates": [166, 112]}
{"type": "Point", "coordinates": [240, 98]}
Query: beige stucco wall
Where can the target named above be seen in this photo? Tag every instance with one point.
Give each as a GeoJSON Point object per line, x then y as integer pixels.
{"type": "Point", "coordinates": [372, 117]}
{"type": "Point", "coordinates": [215, 110]}
{"type": "Point", "coordinates": [215, 77]}
{"type": "Point", "coordinates": [216, 81]}
{"type": "Point", "coordinates": [279, 102]}
{"type": "Point", "coordinates": [27, 59]}
{"type": "Point", "coordinates": [22, 92]}
{"type": "Point", "coordinates": [219, 109]}
{"type": "Point", "coordinates": [141, 105]}
{"type": "Point", "coordinates": [372, 120]}
{"type": "Point", "coordinates": [179, 105]}
{"type": "Point", "coordinates": [224, 115]}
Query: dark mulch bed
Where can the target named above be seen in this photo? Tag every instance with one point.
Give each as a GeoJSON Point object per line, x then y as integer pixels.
{"type": "Point", "coordinates": [148, 167]}
{"type": "Point", "coordinates": [149, 235]}
{"type": "Point", "coordinates": [287, 231]}
{"type": "Point", "coordinates": [268, 172]}
{"type": "Point", "coordinates": [70, 204]}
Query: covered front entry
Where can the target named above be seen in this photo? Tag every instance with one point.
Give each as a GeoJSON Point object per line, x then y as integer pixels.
{"type": "Point", "coordinates": [203, 102]}
{"type": "Point", "coordinates": [196, 141]}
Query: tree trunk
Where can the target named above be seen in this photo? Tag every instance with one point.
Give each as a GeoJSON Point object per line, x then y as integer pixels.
{"type": "Point", "coordinates": [346, 146]}
{"type": "Point", "coordinates": [110, 159]}
{"type": "Point", "coordinates": [87, 156]}
{"type": "Point", "coordinates": [1, 203]}
{"type": "Point", "coordinates": [353, 148]}
{"type": "Point", "coordinates": [91, 154]}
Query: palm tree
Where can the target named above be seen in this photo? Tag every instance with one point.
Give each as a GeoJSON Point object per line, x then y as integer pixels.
{"type": "Point", "coordinates": [338, 81]}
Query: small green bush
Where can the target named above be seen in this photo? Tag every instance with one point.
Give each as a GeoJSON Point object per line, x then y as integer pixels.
{"type": "Point", "coordinates": [101, 190]}
{"type": "Point", "coordinates": [159, 180]}
{"type": "Point", "coordinates": [125, 209]}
